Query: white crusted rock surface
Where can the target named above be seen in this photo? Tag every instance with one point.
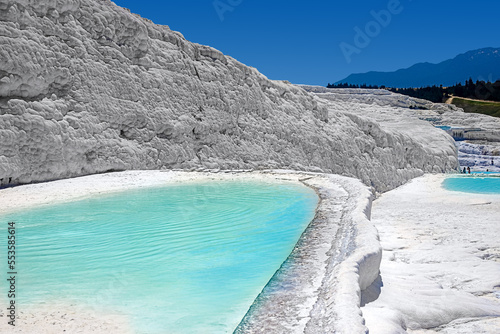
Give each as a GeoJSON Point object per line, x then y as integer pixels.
{"type": "Point", "coordinates": [472, 126]}
{"type": "Point", "coordinates": [88, 87]}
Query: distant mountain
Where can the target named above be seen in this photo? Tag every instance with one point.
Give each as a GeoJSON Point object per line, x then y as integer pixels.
{"type": "Point", "coordinates": [482, 64]}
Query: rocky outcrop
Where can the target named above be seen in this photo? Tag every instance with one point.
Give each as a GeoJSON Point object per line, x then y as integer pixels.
{"type": "Point", "coordinates": [88, 87]}
{"type": "Point", "coordinates": [477, 136]}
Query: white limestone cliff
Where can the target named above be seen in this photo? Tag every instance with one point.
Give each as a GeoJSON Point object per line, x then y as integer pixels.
{"type": "Point", "coordinates": [478, 136]}
{"type": "Point", "coordinates": [88, 87]}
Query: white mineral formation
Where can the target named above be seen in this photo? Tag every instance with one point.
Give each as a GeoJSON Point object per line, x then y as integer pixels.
{"type": "Point", "coordinates": [478, 136]}
{"type": "Point", "coordinates": [88, 87]}
{"type": "Point", "coordinates": [440, 271]}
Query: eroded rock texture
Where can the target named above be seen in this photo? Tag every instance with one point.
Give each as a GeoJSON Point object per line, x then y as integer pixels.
{"type": "Point", "coordinates": [88, 87]}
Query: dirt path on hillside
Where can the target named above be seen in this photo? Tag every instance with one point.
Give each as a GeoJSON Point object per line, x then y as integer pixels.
{"type": "Point", "coordinates": [450, 100]}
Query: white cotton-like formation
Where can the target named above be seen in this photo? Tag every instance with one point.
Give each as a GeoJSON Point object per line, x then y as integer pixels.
{"type": "Point", "coordinates": [440, 270]}
{"type": "Point", "coordinates": [482, 156]}
{"type": "Point", "coordinates": [88, 87]}
{"type": "Point", "coordinates": [477, 135]}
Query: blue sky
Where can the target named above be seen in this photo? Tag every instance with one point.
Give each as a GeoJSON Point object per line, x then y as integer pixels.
{"type": "Point", "coordinates": [317, 42]}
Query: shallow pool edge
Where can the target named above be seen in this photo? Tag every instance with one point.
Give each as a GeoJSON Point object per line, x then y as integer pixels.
{"type": "Point", "coordinates": [472, 184]}
{"type": "Point", "coordinates": [338, 268]}
{"type": "Point", "coordinates": [318, 287]}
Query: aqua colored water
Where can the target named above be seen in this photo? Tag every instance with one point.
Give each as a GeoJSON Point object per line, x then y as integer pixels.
{"type": "Point", "coordinates": [473, 184]}
{"type": "Point", "coordinates": [181, 259]}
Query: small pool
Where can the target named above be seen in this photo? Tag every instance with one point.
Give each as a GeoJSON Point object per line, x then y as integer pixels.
{"type": "Point", "coordinates": [180, 259]}
{"type": "Point", "coordinates": [473, 184]}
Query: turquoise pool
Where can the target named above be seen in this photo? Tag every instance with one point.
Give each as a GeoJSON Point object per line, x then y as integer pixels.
{"type": "Point", "coordinates": [179, 259]}
{"type": "Point", "coordinates": [473, 184]}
